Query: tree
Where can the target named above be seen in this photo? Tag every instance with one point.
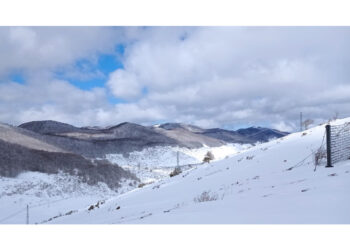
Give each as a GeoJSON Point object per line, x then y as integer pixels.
{"type": "Point", "coordinates": [208, 157]}
{"type": "Point", "coordinates": [175, 172]}
{"type": "Point", "coordinates": [336, 115]}
{"type": "Point", "coordinates": [307, 123]}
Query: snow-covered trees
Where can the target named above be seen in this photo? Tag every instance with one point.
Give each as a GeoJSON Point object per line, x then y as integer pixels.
{"type": "Point", "coordinates": [16, 159]}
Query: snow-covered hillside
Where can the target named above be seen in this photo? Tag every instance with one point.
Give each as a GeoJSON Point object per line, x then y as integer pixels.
{"type": "Point", "coordinates": [155, 163]}
{"type": "Point", "coordinates": [56, 194]}
{"type": "Point", "coordinates": [49, 195]}
{"type": "Point", "coordinates": [274, 182]}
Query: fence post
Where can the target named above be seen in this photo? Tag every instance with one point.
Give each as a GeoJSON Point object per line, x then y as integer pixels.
{"type": "Point", "coordinates": [328, 138]}
{"type": "Point", "coordinates": [177, 158]}
{"type": "Point", "coordinates": [27, 214]}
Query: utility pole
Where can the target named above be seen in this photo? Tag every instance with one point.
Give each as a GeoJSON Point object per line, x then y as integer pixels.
{"type": "Point", "coordinates": [301, 121]}
{"type": "Point", "coordinates": [177, 158]}
{"type": "Point", "coordinates": [27, 214]}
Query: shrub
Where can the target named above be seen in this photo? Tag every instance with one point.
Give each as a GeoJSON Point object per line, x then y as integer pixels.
{"type": "Point", "coordinates": [319, 155]}
{"type": "Point", "coordinates": [141, 185]}
{"type": "Point", "coordinates": [206, 196]}
{"type": "Point", "coordinates": [208, 157]}
{"type": "Point", "coordinates": [307, 123]}
{"type": "Point", "coordinates": [176, 171]}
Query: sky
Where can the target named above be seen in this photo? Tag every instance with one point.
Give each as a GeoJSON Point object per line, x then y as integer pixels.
{"type": "Point", "coordinates": [228, 77]}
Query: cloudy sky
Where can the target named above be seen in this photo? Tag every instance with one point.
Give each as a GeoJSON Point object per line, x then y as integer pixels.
{"type": "Point", "coordinates": [227, 77]}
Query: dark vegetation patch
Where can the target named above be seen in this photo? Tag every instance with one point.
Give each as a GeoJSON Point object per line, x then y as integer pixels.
{"type": "Point", "coordinates": [16, 159]}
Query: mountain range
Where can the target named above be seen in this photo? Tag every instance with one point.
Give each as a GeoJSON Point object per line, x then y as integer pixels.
{"type": "Point", "coordinates": [127, 137]}
{"type": "Point", "coordinates": [51, 146]}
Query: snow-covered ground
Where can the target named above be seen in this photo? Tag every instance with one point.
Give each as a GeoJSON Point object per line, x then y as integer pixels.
{"type": "Point", "coordinates": [58, 194]}
{"type": "Point", "coordinates": [48, 196]}
{"type": "Point", "coordinates": [155, 163]}
{"type": "Point", "coordinates": [274, 182]}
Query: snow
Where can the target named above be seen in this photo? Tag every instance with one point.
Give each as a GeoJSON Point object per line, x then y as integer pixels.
{"type": "Point", "coordinates": [52, 195]}
{"type": "Point", "coordinates": [155, 163]}
{"type": "Point", "coordinates": [273, 182]}
{"type": "Point", "coordinates": [48, 195]}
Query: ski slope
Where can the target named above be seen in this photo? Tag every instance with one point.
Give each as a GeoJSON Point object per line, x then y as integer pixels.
{"type": "Point", "coordinates": [274, 182]}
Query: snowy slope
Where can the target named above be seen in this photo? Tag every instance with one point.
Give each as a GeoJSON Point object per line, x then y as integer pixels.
{"type": "Point", "coordinates": [48, 196]}
{"type": "Point", "coordinates": [274, 182]}
{"type": "Point", "coordinates": [155, 163]}
{"type": "Point", "coordinates": [51, 195]}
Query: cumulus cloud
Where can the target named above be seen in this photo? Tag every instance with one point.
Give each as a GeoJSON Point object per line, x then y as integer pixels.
{"type": "Point", "coordinates": [208, 76]}
{"type": "Point", "coordinates": [40, 48]}
{"type": "Point", "coordinates": [55, 99]}
{"type": "Point", "coordinates": [124, 85]}
{"type": "Point", "coordinates": [241, 75]}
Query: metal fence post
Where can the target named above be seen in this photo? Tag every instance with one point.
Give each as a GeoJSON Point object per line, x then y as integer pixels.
{"type": "Point", "coordinates": [329, 152]}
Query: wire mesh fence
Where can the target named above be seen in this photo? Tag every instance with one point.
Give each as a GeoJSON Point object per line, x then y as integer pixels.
{"type": "Point", "coordinates": [338, 143]}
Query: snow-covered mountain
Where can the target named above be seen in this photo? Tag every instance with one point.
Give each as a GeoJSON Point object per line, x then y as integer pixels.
{"type": "Point", "coordinates": [25, 151]}
{"type": "Point", "coordinates": [273, 182]}
{"type": "Point", "coordinates": [129, 137]}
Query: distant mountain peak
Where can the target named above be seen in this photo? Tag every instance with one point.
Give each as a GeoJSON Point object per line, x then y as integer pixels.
{"type": "Point", "coordinates": [49, 127]}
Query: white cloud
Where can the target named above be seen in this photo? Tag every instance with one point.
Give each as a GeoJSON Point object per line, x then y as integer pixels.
{"type": "Point", "coordinates": [209, 76]}
{"type": "Point", "coordinates": [241, 75]}
{"type": "Point", "coordinates": [46, 48]}
{"type": "Point", "coordinates": [124, 85]}
{"type": "Point", "coordinates": [282, 126]}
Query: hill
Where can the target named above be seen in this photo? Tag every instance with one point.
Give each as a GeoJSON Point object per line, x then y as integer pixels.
{"type": "Point", "coordinates": [127, 137]}
{"type": "Point", "coordinates": [23, 151]}
{"type": "Point", "coordinates": [273, 182]}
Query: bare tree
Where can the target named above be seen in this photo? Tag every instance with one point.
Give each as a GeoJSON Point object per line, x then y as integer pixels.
{"type": "Point", "coordinates": [208, 157]}
{"type": "Point", "coordinates": [336, 115]}
{"type": "Point", "coordinates": [307, 123]}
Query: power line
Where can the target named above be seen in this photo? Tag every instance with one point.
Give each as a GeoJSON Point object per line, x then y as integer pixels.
{"type": "Point", "coordinates": [27, 210]}
{"type": "Point", "coordinates": [12, 215]}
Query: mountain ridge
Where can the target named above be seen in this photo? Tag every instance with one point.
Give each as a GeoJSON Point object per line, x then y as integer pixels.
{"type": "Point", "coordinates": [127, 137]}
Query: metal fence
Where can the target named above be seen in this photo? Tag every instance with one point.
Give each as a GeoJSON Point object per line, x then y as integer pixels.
{"type": "Point", "coordinates": [338, 143]}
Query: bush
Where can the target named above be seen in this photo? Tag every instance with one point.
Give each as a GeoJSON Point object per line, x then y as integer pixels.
{"type": "Point", "coordinates": [176, 171]}
{"type": "Point", "coordinates": [141, 185]}
{"type": "Point", "coordinates": [206, 196]}
{"type": "Point", "coordinates": [208, 157]}
{"type": "Point", "coordinates": [319, 155]}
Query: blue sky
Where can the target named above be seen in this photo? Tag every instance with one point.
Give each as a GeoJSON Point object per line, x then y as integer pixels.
{"type": "Point", "coordinates": [105, 63]}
